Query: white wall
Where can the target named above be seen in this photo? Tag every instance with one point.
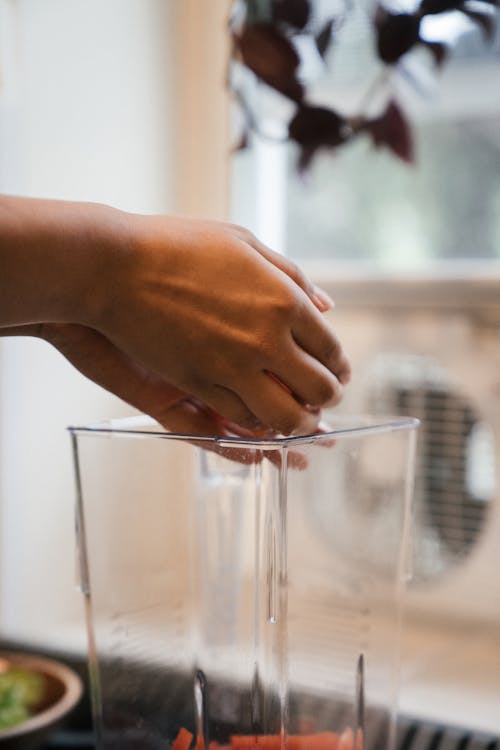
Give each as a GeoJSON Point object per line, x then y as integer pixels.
{"type": "Point", "coordinates": [90, 86]}
{"type": "Point", "coordinates": [89, 100]}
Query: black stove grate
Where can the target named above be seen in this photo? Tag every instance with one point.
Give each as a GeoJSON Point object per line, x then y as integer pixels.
{"type": "Point", "coordinates": [419, 735]}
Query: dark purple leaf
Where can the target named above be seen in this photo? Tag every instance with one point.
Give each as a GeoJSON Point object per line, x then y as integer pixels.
{"type": "Point", "coordinates": [484, 20]}
{"type": "Point", "coordinates": [313, 127]}
{"type": "Point", "coordinates": [324, 38]}
{"type": "Point", "coordinates": [242, 143]}
{"type": "Point", "coordinates": [397, 33]}
{"type": "Point", "coordinates": [271, 57]}
{"type": "Point", "coordinates": [392, 131]}
{"type": "Point", "coordinates": [292, 12]}
{"type": "Point", "coordinates": [305, 159]}
{"type": "Point", "coordinates": [439, 51]}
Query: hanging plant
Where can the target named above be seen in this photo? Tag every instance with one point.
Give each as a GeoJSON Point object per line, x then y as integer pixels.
{"type": "Point", "coordinates": [271, 37]}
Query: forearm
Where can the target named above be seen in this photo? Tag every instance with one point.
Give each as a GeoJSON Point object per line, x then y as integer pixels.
{"type": "Point", "coordinates": [52, 254]}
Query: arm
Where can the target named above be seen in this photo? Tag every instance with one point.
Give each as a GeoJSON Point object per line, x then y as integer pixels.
{"type": "Point", "coordinates": [199, 307]}
{"type": "Point", "coordinates": [50, 256]}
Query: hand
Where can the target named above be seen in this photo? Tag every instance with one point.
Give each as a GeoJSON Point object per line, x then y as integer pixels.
{"type": "Point", "coordinates": [200, 307]}
{"type": "Point", "coordinates": [207, 308]}
{"type": "Point", "coordinates": [99, 360]}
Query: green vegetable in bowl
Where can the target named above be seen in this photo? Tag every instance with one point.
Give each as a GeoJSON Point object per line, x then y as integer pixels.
{"type": "Point", "coordinates": [21, 691]}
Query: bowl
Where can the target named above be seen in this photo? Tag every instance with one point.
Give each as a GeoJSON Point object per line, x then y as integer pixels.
{"type": "Point", "coordinates": [62, 689]}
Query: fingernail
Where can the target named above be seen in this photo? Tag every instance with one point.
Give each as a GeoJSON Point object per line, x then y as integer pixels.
{"type": "Point", "coordinates": [326, 301]}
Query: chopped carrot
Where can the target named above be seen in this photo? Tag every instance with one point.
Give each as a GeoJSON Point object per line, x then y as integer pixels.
{"type": "Point", "coordinates": [183, 740]}
{"type": "Point", "coordinates": [269, 742]}
{"type": "Point", "coordinates": [242, 741]}
{"type": "Point", "coordinates": [317, 741]}
{"type": "Point", "coordinates": [261, 741]}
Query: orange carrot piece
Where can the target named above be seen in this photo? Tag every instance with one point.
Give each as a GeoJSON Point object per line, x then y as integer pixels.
{"type": "Point", "coordinates": [317, 741]}
{"type": "Point", "coordinates": [261, 741]}
{"type": "Point", "coordinates": [243, 741]}
{"type": "Point", "coordinates": [269, 742]}
{"type": "Point", "coordinates": [183, 740]}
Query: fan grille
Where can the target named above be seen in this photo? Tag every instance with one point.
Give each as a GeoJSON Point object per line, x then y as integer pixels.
{"type": "Point", "coordinates": [455, 475]}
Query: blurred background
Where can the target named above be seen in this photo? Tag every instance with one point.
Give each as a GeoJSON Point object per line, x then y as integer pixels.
{"type": "Point", "coordinates": [125, 102]}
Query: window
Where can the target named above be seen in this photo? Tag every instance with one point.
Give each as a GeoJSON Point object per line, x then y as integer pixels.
{"type": "Point", "coordinates": [364, 205]}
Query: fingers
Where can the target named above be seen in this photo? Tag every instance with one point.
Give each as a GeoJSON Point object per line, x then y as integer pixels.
{"type": "Point", "coordinates": [97, 358]}
{"type": "Point", "coordinates": [308, 380]}
{"type": "Point", "coordinates": [314, 336]}
{"type": "Point", "coordinates": [229, 405]}
{"type": "Point", "coordinates": [318, 339]}
{"type": "Point", "coordinates": [193, 418]}
{"type": "Point", "coordinates": [189, 417]}
{"type": "Point", "coordinates": [317, 295]}
{"type": "Point", "coordinates": [274, 406]}
{"type": "Point", "coordinates": [262, 402]}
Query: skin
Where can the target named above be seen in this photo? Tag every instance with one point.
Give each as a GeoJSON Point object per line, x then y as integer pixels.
{"type": "Point", "coordinates": [193, 322]}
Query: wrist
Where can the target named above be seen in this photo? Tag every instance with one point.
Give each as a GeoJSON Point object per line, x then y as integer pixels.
{"type": "Point", "coordinates": [99, 258]}
{"type": "Point", "coordinates": [113, 249]}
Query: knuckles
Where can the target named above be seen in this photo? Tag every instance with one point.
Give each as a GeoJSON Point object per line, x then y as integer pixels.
{"type": "Point", "coordinates": [242, 233]}
{"type": "Point", "coordinates": [329, 393]}
{"type": "Point", "coordinates": [297, 274]}
{"type": "Point", "coordinates": [285, 305]}
{"type": "Point", "coordinates": [332, 353]}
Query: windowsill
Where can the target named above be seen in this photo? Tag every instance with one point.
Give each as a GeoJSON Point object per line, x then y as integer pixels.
{"type": "Point", "coordinates": [457, 284]}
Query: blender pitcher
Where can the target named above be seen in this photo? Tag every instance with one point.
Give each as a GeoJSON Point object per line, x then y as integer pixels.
{"type": "Point", "coordinates": [244, 594]}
